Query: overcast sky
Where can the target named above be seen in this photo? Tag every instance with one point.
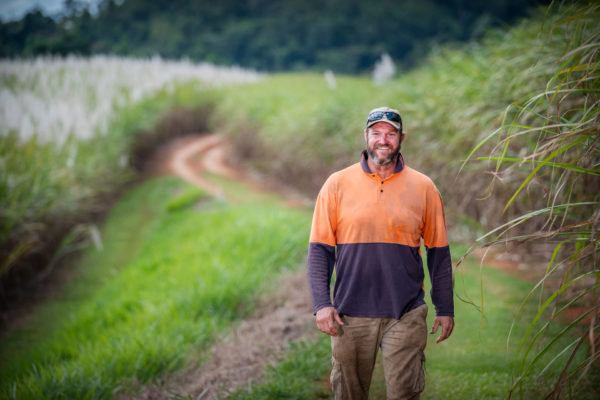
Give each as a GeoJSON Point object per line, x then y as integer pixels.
{"type": "Point", "coordinates": [15, 9]}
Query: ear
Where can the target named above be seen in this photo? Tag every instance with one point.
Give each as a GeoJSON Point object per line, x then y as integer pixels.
{"type": "Point", "coordinates": [402, 137]}
{"type": "Point", "coordinates": [365, 135]}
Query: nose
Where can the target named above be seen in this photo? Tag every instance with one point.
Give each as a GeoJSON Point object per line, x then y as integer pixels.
{"type": "Point", "coordinates": [384, 139]}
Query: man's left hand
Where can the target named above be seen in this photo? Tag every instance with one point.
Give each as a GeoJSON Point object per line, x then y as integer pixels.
{"type": "Point", "coordinates": [447, 324]}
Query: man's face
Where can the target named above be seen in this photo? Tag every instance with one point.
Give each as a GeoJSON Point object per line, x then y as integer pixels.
{"type": "Point", "coordinates": [383, 143]}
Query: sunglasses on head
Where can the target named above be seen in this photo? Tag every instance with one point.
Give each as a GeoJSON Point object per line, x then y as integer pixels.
{"type": "Point", "coordinates": [389, 115]}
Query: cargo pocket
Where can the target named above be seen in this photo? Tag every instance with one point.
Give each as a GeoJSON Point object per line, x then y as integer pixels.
{"type": "Point", "coordinates": [420, 375]}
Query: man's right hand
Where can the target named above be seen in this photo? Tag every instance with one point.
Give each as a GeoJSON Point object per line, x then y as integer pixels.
{"type": "Point", "coordinates": [326, 318]}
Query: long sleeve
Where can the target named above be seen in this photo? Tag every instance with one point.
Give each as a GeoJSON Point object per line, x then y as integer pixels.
{"type": "Point", "coordinates": [321, 248]}
{"type": "Point", "coordinates": [439, 262]}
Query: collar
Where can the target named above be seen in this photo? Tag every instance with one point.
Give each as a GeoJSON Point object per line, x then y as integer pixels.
{"type": "Point", "coordinates": [365, 165]}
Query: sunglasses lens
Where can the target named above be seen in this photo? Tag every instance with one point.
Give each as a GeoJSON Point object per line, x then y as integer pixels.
{"type": "Point", "coordinates": [376, 116]}
{"type": "Point", "coordinates": [392, 116]}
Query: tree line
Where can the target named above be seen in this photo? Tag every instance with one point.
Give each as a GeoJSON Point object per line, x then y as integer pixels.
{"type": "Point", "coordinates": [346, 36]}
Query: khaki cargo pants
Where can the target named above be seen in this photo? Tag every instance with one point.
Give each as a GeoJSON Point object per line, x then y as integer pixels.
{"type": "Point", "coordinates": [402, 344]}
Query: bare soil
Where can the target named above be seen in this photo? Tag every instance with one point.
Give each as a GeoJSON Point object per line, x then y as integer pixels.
{"type": "Point", "coordinates": [240, 356]}
{"type": "Point", "coordinates": [190, 156]}
{"type": "Point", "coordinates": [511, 262]}
{"type": "Point", "coordinates": [514, 263]}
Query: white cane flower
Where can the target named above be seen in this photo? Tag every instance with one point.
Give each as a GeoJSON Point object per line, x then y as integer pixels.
{"type": "Point", "coordinates": [52, 98]}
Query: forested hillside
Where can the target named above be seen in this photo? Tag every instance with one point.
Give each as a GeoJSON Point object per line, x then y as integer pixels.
{"type": "Point", "coordinates": [342, 35]}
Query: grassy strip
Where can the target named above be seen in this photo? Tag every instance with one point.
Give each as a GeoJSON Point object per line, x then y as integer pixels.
{"type": "Point", "coordinates": [172, 273]}
{"type": "Point", "coordinates": [473, 364]}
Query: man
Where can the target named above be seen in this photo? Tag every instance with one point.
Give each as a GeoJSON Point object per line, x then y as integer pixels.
{"type": "Point", "coordinates": [369, 220]}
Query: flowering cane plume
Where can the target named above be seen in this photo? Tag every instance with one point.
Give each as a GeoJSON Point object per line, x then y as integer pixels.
{"type": "Point", "coordinates": [52, 98]}
{"type": "Point", "coordinates": [384, 69]}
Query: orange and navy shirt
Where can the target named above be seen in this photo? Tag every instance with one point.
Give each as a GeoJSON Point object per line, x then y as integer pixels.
{"type": "Point", "coordinates": [371, 230]}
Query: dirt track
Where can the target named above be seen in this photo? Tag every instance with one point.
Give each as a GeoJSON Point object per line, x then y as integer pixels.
{"type": "Point", "coordinates": [238, 357]}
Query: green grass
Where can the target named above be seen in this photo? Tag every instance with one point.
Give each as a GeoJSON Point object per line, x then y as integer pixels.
{"type": "Point", "coordinates": [294, 127]}
{"type": "Point", "coordinates": [474, 363]}
{"type": "Point", "coordinates": [240, 193]}
{"type": "Point", "coordinates": [475, 360]}
{"type": "Point", "coordinates": [302, 374]}
{"type": "Point", "coordinates": [172, 274]}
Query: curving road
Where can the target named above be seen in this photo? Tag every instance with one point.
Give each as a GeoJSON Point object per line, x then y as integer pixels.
{"type": "Point", "coordinates": [239, 357]}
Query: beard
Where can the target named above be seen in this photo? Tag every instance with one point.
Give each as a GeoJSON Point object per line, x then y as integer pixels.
{"type": "Point", "coordinates": [391, 157]}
